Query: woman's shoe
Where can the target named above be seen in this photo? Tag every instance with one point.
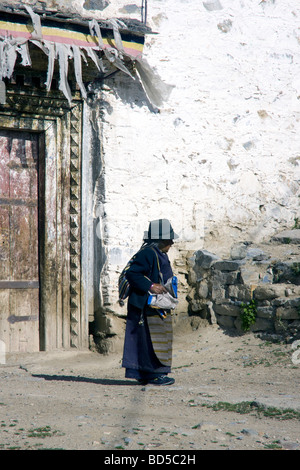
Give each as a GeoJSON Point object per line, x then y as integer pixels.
{"type": "Point", "coordinates": [161, 380]}
{"type": "Point", "coordinates": [142, 381]}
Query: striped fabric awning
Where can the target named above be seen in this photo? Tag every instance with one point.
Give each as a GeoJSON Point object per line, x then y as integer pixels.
{"type": "Point", "coordinates": [22, 27]}
{"type": "Point", "coordinates": [64, 40]}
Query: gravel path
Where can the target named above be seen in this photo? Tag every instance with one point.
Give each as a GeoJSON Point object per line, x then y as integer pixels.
{"type": "Point", "coordinates": [81, 400]}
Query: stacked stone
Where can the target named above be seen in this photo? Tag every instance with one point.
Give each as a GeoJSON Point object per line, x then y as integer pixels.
{"type": "Point", "coordinates": [220, 288]}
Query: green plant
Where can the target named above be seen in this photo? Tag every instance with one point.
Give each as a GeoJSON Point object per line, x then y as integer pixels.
{"type": "Point", "coordinates": [296, 269]}
{"type": "Point", "coordinates": [273, 445]}
{"type": "Point", "coordinates": [248, 314]}
{"type": "Point", "coordinates": [43, 432]}
{"type": "Point", "coordinates": [254, 408]}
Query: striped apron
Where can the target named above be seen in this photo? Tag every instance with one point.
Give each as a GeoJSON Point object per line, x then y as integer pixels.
{"type": "Point", "coordinates": [161, 333]}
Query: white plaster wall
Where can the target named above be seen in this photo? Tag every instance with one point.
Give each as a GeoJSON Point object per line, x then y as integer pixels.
{"type": "Point", "coordinates": [221, 159]}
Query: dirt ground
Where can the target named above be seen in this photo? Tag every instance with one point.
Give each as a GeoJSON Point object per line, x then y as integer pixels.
{"type": "Point", "coordinates": [81, 400]}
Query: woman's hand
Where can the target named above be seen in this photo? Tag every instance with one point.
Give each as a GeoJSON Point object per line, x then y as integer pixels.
{"type": "Point", "coordinates": [157, 289]}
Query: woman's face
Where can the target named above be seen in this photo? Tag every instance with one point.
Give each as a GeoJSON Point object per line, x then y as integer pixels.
{"type": "Point", "coordinates": [166, 245]}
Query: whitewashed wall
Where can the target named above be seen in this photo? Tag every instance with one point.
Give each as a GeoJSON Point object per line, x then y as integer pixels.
{"type": "Point", "coordinates": [221, 159]}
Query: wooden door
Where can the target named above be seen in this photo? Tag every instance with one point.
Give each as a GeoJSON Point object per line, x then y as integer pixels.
{"type": "Point", "coordinates": [19, 253]}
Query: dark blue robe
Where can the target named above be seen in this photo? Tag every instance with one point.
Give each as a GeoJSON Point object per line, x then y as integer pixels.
{"type": "Point", "coordinates": [139, 357]}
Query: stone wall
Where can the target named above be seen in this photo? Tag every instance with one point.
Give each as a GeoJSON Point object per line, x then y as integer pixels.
{"type": "Point", "coordinates": [266, 275]}
{"type": "Point", "coordinates": [220, 159]}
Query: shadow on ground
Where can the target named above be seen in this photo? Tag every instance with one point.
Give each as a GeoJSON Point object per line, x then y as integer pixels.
{"type": "Point", "coordinates": [73, 378]}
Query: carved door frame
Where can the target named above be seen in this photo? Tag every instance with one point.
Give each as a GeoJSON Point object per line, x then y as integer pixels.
{"type": "Point", "coordinates": [63, 323]}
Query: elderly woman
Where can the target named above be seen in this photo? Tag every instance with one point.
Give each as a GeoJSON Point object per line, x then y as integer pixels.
{"type": "Point", "coordinates": [148, 337]}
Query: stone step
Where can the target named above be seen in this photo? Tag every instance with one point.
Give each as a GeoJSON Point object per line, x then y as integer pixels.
{"type": "Point", "coordinates": [268, 274]}
{"type": "Point", "coordinates": [288, 237]}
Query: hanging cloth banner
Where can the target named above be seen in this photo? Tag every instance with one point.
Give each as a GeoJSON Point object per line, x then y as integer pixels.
{"type": "Point", "coordinates": [62, 40]}
{"type": "Point", "coordinates": [72, 34]}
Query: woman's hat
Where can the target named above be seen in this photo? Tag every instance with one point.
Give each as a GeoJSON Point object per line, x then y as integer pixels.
{"type": "Point", "coordinates": [160, 229]}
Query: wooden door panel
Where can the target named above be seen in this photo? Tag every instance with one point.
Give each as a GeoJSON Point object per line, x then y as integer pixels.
{"type": "Point", "coordinates": [4, 243]}
{"type": "Point", "coordinates": [4, 167]}
{"type": "Point", "coordinates": [23, 320]}
{"type": "Point", "coordinates": [24, 249]}
{"type": "Point", "coordinates": [19, 267]}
